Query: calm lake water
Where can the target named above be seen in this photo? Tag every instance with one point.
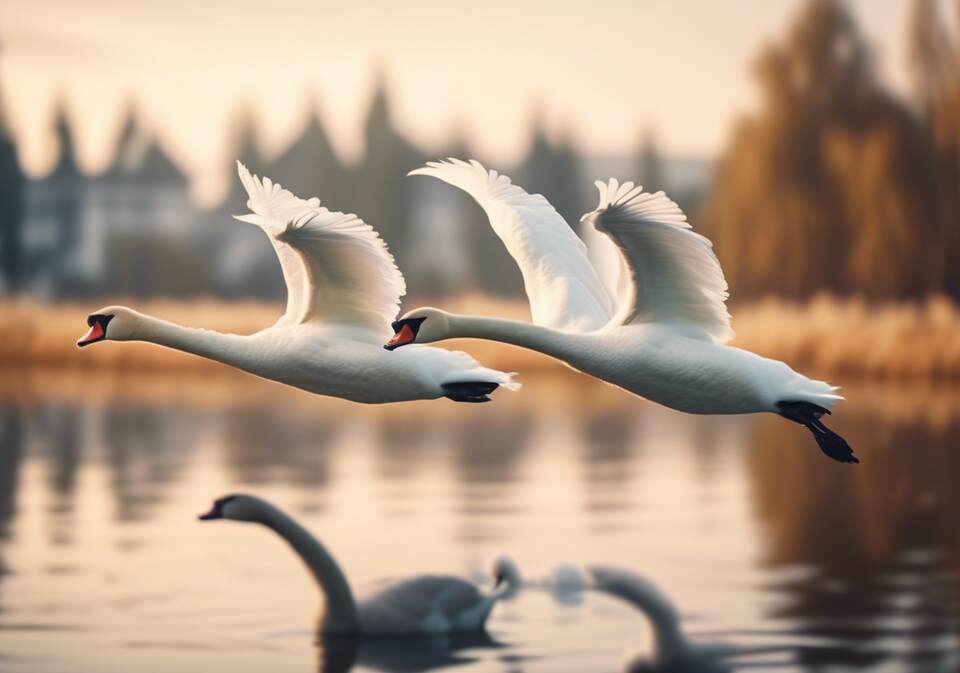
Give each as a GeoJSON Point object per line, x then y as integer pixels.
{"type": "Point", "coordinates": [762, 543]}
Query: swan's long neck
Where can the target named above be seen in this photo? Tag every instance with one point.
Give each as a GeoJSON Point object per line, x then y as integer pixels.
{"type": "Point", "coordinates": [518, 333]}
{"type": "Point", "coordinates": [340, 615]}
{"type": "Point", "coordinates": [670, 645]}
{"type": "Point", "coordinates": [206, 343]}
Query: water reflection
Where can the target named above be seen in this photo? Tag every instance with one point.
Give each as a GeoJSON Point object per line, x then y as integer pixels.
{"type": "Point", "coordinates": [880, 541]}
{"type": "Point", "coordinates": [767, 542]}
{"type": "Point", "coordinates": [401, 654]}
{"type": "Point", "coordinates": [146, 449]}
{"type": "Point", "coordinates": [11, 456]}
{"type": "Point", "coordinates": [263, 445]}
{"type": "Point", "coordinates": [609, 457]}
{"type": "Point", "coordinates": [487, 454]}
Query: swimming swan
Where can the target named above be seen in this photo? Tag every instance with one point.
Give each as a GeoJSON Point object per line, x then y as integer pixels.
{"type": "Point", "coordinates": [669, 651]}
{"type": "Point", "coordinates": [662, 339]}
{"type": "Point", "coordinates": [425, 604]}
{"type": "Point", "coordinates": [343, 289]}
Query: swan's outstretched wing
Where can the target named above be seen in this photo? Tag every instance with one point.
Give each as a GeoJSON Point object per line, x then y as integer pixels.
{"type": "Point", "coordinates": [564, 290]}
{"type": "Point", "coordinates": [674, 271]}
{"type": "Point", "coordinates": [336, 267]}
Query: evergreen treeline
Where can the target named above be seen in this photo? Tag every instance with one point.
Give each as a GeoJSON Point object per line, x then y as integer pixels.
{"type": "Point", "coordinates": [836, 184]}
{"type": "Point", "coordinates": [376, 189]}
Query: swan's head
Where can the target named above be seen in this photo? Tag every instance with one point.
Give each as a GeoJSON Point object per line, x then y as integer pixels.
{"type": "Point", "coordinates": [506, 574]}
{"type": "Point", "coordinates": [236, 507]}
{"type": "Point", "coordinates": [115, 323]}
{"type": "Point", "coordinates": [420, 326]}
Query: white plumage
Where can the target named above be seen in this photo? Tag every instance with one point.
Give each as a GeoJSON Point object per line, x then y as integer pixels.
{"type": "Point", "coordinates": [673, 272]}
{"type": "Point", "coordinates": [337, 269]}
{"type": "Point", "coordinates": [343, 291]}
{"type": "Point", "coordinates": [661, 337]}
{"type": "Point", "coordinates": [565, 291]}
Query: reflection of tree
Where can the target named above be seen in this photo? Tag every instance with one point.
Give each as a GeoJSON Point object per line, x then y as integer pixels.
{"type": "Point", "coordinates": [486, 453]}
{"type": "Point", "coordinates": [706, 449]}
{"type": "Point", "coordinates": [399, 654]}
{"type": "Point", "coordinates": [400, 447]}
{"type": "Point", "coordinates": [59, 431]}
{"type": "Point", "coordinates": [146, 449]}
{"type": "Point", "coordinates": [607, 456]}
{"type": "Point", "coordinates": [11, 455]}
{"type": "Point", "coordinates": [264, 445]}
{"type": "Point", "coordinates": [881, 539]}
{"type": "Point", "coordinates": [57, 434]}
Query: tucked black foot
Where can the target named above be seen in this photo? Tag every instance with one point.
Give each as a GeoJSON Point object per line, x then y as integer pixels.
{"type": "Point", "coordinates": [469, 391]}
{"type": "Point", "coordinates": [808, 415]}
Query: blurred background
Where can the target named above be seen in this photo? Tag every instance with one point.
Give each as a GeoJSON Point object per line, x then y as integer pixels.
{"type": "Point", "coordinates": [816, 142]}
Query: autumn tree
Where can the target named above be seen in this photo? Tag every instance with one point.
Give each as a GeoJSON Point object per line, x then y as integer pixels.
{"type": "Point", "coordinates": [934, 59]}
{"type": "Point", "coordinates": [826, 188]}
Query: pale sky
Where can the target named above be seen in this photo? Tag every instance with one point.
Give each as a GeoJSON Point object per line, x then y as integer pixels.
{"type": "Point", "coordinates": [602, 70]}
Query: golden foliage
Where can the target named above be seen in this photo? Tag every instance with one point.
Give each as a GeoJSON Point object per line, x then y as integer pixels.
{"type": "Point", "coordinates": [833, 185]}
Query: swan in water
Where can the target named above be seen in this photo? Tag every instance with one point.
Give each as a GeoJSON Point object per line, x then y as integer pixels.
{"type": "Point", "coordinates": [662, 338]}
{"type": "Point", "coordinates": [669, 651]}
{"type": "Point", "coordinates": [343, 289]}
{"type": "Point", "coordinates": [402, 654]}
{"type": "Point", "coordinates": [565, 583]}
{"type": "Point", "coordinates": [425, 604]}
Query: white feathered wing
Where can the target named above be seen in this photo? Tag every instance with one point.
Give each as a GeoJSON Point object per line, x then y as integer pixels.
{"type": "Point", "coordinates": [564, 289]}
{"type": "Point", "coordinates": [673, 271]}
{"type": "Point", "coordinates": [336, 268]}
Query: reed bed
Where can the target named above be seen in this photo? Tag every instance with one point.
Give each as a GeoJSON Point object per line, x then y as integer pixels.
{"type": "Point", "coordinates": [826, 336]}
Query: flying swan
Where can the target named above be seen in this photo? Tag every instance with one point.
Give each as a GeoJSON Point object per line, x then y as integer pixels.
{"type": "Point", "coordinates": [661, 339]}
{"type": "Point", "coordinates": [425, 604]}
{"type": "Point", "coordinates": [343, 289]}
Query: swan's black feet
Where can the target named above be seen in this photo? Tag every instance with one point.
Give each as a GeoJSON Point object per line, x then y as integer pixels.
{"type": "Point", "coordinates": [469, 391]}
{"type": "Point", "coordinates": [808, 415]}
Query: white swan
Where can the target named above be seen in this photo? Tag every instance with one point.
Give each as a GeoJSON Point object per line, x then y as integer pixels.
{"type": "Point", "coordinates": [669, 650]}
{"type": "Point", "coordinates": [343, 289]}
{"type": "Point", "coordinates": [425, 604]}
{"type": "Point", "coordinates": [565, 583]}
{"type": "Point", "coordinates": [662, 339]}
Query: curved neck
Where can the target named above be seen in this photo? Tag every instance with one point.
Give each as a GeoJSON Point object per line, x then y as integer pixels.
{"type": "Point", "coordinates": [206, 343]}
{"type": "Point", "coordinates": [669, 644]}
{"type": "Point", "coordinates": [516, 332]}
{"type": "Point", "coordinates": [340, 614]}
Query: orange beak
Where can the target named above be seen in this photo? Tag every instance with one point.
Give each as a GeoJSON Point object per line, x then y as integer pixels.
{"type": "Point", "coordinates": [95, 333]}
{"type": "Point", "coordinates": [403, 336]}
{"type": "Point", "coordinates": [98, 330]}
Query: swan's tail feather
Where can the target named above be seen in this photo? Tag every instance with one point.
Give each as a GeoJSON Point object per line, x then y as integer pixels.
{"type": "Point", "coordinates": [476, 385]}
{"type": "Point", "coordinates": [819, 393]}
{"type": "Point", "coordinates": [469, 391]}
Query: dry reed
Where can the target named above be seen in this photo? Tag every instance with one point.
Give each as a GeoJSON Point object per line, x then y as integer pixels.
{"type": "Point", "coordinates": [847, 337]}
